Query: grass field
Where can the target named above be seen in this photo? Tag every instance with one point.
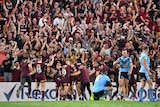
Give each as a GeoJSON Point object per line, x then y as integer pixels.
{"type": "Point", "coordinates": [80, 104]}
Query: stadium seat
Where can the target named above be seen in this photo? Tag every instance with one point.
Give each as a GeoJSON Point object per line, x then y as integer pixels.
{"type": "Point", "coordinates": [1, 78]}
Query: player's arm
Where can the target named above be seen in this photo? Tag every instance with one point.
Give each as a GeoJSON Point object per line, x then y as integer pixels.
{"type": "Point", "coordinates": [76, 73]}
{"type": "Point", "coordinates": [145, 66]}
{"type": "Point", "coordinates": [91, 72]}
{"type": "Point", "coordinates": [33, 71]}
{"type": "Point", "coordinates": [108, 86]}
{"type": "Point", "coordinates": [116, 62]}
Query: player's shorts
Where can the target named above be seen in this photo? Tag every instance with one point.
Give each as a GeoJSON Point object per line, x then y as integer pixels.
{"type": "Point", "coordinates": [97, 95]}
{"type": "Point", "coordinates": [132, 82]}
{"type": "Point", "coordinates": [77, 79]}
{"type": "Point", "coordinates": [124, 75]}
{"type": "Point", "coordinates": [144, 76]}
{"type": "Point", "coordinates": [40, 77]}
{"type": "Point", "coordinates": [58, 84]}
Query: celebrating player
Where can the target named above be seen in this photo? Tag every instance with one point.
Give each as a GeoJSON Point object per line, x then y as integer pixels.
{"type": "Point", "coordinates": [25, 67]}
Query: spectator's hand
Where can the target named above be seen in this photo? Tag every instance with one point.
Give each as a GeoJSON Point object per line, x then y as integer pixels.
{"type": "Point", "coordinates": [52, 75]}
{"type": "Point", "coordinates": [154, 52]}
{"type": "Point", "coordinates": [58, 79]}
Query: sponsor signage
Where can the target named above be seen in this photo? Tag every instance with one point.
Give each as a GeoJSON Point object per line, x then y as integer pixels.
{"type": "Point", "coordinates": [8, 92]}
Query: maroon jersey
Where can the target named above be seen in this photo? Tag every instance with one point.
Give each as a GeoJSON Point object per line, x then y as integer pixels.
{"type": "Point", "coordinates": [132, 80]}
{"type": "Point", "coordinates": [37, 15]}
{"type": "Point", "coordinates": [35, 28]}
{"type": "Point", "coordinates": [84, 75]}
{"type": "Point", "coordinates": [16, 75]}
{"type": "Point", "coordinates": [66, 75]}
{"type": "Point", "coordinates": [59, 77]}
{"type": "Point", "coordinates": [93, 77]}
{"type": "Point", "coordinates": [78, 77]}
{"type": "Point", "coordinates": [24, 28]}
{"type": "Point", "coordinates": [72, 78]}
{"type": "Point", "coordinates": [105, 67]}
{"type": "Point", "coordinates": [158, 77]}
{"type": "Point", "coordinates": [24, 69]}
{"type": "Point", "coordinates": [40, 73]}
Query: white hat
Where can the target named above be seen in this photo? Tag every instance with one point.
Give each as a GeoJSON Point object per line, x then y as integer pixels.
{"type": "Point", "coordinates": [70, 38]}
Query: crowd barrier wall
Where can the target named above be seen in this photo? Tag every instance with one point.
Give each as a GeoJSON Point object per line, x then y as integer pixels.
{"type": "Point", "coordinates": [8, 92]}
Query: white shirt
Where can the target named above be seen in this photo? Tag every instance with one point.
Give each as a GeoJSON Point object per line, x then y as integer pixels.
{"type": "Point", "coordinates": [105, 51]}
{"type": "Point", "coordinates": [41, 23]}
{"type": "Point", "coordinates": [58, 22]}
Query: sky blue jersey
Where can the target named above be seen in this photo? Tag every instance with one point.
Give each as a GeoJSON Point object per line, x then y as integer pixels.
{"type": "Point", "coordinates": [100, 83]}
{"type": "Point", "coordinates": [141, 58]}
{"type": "Point", "coordinates": [124, 63]}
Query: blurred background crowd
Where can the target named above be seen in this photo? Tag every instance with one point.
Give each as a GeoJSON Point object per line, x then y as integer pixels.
{"type": "Point", "coordinates": [85, 31]}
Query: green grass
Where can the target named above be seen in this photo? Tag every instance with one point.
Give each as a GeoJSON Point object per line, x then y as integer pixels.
{"type": "Point", "coordinates": [79, 104]}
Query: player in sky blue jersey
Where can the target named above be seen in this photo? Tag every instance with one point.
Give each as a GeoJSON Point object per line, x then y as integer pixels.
{"type": "Point", "coordinates": [102, 85]}
{"type": "Point", "coordinates": [125, 71]}
{"type": "Point", "coordinates": [145, 74]}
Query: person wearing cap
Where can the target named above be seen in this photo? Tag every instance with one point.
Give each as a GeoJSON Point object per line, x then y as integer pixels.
{"type": "Point", "coordinates": [102, 85]}
{"type": "Point", "coordinates": [70, 39]}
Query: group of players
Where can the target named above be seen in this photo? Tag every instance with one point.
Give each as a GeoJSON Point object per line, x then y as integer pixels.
{"type": "Point", "coordinates": [125, 71]}
{"type": "Point", "coordinates": [68, 73]}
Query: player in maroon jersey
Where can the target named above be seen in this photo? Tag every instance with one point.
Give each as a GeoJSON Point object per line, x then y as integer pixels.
{"type": "Point", "coordinates": [133, 78]}
{"type": "Point", "coordinates": [133, 83]}
{"type": "Point", "coordinates": [57, 76]}
{"type": "Point", "coordinates": [66, 78]}
{"type": "Point", "coordinates": [95, 70]}
{"type": "Point", "coordinates": [25, 68]}
{"type": "Point", "coordinates": [59, 84]}
{"type": "Point", "coordinates": [85, 80]}
{"type": "Point", "coordinates": [157, 82]}
{"type": "Point", "coordinates": [71, 94]}
{"type": "Point", "coordinates": [76, 77]}
{"type": "Point", "coordinates": [63, 78]}
{"type": "Point", "coordinates": [40, 78]}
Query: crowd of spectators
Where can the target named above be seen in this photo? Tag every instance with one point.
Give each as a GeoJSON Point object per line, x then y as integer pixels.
{"type": "Point", "coordinates": [78, 30]}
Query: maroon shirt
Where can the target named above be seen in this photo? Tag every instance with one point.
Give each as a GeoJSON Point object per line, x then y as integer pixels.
{"type": "Point", "coordinates": [40, 73]}
{"type": "Point", "coordinates": [84, 75]}
{"type": "Point", "coordinates": [58, 75]}
{"type": "Point", "coordinates": [158, 77]}
{"type": "Point", "coordinates": [66, 77]}
{"type": "Point", "coordinates": [93, 77]}
{"type": "Point", "coordinates": [132, 80]}
{"type": "Point", "coordinates": [24, 69]}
